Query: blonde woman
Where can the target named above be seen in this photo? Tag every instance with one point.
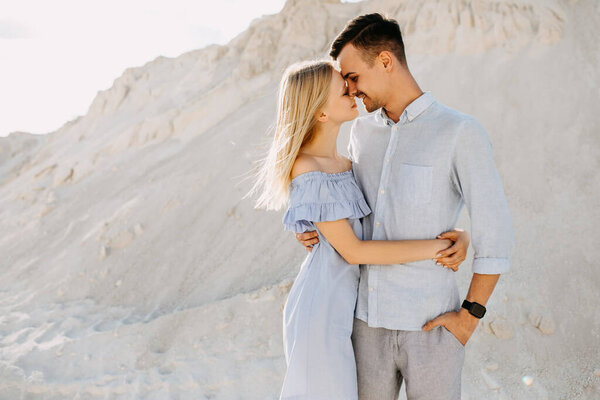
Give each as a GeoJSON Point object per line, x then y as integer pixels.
{"type": "Point", "coordinates": [304, 171]}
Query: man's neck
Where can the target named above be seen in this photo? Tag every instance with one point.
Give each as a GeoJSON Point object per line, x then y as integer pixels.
{"type": "Point", "coordinates": [404, 91]}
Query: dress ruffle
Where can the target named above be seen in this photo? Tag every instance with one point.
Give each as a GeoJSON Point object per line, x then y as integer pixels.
{"type": "Point", "coordinates": [317, 197]}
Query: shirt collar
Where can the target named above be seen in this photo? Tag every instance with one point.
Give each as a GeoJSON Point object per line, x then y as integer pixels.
{"type": "Point", "coordinates": [412, 111]}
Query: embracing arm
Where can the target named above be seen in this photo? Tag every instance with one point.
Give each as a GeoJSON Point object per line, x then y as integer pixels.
{"type": "Point", "coordinates": [355, 251]}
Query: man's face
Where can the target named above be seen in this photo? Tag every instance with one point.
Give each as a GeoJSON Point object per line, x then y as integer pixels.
{"type": "Point", "coordinates": [364, 81]}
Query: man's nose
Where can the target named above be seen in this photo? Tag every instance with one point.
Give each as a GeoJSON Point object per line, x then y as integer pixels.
{"type": "Point", "coordinates": [352, 89]}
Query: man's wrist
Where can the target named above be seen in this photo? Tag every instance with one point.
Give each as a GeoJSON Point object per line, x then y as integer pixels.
{"type": "Point", "coordinates": [474, 308]}
{"type": "Point", "coordinates": [464, 313]}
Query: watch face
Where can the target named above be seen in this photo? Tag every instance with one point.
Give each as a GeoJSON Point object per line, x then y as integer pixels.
{"type": "Point", "coordinates": [477, 309]}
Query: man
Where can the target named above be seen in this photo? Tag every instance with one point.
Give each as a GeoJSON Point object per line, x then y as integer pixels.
{"type": "Point", "coordinates": [417, 161]}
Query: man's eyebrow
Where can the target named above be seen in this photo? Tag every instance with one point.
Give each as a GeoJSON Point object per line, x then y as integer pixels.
{"type": "Point", "coordinates": [349, 73]}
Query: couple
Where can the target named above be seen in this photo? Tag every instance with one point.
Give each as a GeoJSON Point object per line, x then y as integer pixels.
{"type": "Point", "coordinates": [366, 312]}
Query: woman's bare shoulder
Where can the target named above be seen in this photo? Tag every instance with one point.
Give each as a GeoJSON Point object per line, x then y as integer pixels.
{"type": "Point", "coordinates": [303, 164]}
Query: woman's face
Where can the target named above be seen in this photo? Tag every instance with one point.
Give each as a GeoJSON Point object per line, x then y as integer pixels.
{"type": "Point", "coordinates": [340, 105]}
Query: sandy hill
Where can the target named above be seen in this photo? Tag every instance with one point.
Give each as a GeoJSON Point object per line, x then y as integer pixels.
{"type": "Point", "coordinates": [131, 268]}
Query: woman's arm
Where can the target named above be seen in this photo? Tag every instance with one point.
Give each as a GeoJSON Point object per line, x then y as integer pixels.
{"type": "Point", "coordinates": [355, 251]}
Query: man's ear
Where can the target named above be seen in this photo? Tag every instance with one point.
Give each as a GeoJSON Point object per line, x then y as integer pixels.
{"type": "Point", "coordinates": [386, 59]}
{"type": "Point", "coordinates": [323, 118]}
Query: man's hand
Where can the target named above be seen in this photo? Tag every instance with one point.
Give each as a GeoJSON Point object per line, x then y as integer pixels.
{"type": "Point", "coordinates": [460, 323]}
{"type": "Point", "coordinates": [308, 239]}
{"type": "Point", "coordinates": [454, 255]}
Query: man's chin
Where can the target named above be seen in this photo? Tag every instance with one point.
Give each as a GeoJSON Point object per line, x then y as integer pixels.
{"type": "Point", "coordinates": [371, 107]}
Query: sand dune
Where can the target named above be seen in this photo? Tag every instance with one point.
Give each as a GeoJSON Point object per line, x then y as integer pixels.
{"type": "Point", "coordinates": [131, 268]}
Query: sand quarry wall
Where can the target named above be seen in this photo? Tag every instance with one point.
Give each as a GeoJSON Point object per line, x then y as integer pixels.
{"type": "Point", "coordinates": [130, 265]}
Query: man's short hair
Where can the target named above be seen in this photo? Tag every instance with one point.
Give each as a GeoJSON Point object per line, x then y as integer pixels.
{"type": "Point", "coordinates": [371, 34]}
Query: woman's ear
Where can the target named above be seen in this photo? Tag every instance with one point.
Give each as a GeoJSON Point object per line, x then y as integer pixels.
{"type": "Point", "coordinates": [323, 118]}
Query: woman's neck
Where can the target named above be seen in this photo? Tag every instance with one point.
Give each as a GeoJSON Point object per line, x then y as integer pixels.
{"type": "Point", "coordinates": [324, 142]}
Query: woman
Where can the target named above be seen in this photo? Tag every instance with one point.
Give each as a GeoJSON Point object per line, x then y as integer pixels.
{"type": "Point", "coordinates": [304, 171]}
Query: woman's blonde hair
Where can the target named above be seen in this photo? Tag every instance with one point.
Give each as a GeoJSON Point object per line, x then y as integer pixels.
{"type": "Point", "coordinates": [303, 91]}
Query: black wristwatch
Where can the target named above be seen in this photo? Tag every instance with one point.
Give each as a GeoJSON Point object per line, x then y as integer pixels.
{"type": "Point", "coordinates": [474, 308]}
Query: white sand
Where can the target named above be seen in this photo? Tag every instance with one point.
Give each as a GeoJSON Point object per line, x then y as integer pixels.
{"type": "Point", "coordinates": [131, 268]}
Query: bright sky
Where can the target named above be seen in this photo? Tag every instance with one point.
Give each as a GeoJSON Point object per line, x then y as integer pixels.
{"type": "Point", "coordinates": [56, 55]}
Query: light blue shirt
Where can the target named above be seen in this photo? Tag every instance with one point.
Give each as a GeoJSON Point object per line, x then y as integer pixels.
{"type": "Point", "coordinates": [416, 175]}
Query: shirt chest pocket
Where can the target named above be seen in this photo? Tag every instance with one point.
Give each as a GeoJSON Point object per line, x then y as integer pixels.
{"type": "Point", "coordinates": [415, 183]}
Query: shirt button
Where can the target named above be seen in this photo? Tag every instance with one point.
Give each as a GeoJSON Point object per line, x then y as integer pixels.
{"type": "Point", "coordinates": [387, 159]}
{"type": "Point", "coordinates": [377, 223]}
{"type": "Point", "coordinates": [371, 289]}
{"type": "Point", "coordinates": [395, 128]}
{"type": "Point", "coordinates": [382, 191]}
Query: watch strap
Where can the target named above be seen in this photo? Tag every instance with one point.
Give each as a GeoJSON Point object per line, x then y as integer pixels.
{"type": "Point", "coordinates": [474, 308]}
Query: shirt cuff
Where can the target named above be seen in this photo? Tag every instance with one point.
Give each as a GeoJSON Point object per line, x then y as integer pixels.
{"type": "Point", "coordinates": [490, 265]}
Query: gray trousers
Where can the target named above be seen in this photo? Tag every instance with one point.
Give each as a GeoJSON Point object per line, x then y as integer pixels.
{"type": "Point", "coordinates": [430, 363]}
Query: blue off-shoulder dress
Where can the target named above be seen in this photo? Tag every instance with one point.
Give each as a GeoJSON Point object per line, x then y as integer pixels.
{"type": "Point", "coordinates": [319, 311]}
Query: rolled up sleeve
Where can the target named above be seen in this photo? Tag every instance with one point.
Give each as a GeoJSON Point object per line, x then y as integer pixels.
{"type": "Point", "coordinates": [475, 177]}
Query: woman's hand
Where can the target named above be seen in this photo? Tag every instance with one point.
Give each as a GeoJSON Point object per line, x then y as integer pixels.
{"type": "Point", "coordinates": [453, 256]}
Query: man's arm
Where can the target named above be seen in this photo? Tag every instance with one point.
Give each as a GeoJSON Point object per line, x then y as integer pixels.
{"type": "Point", "coordinates": [481, 288]}
{"type": "Point", "coordinates": [475, 177]}
{"type": "Point", "coordinates": [307, 239]}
